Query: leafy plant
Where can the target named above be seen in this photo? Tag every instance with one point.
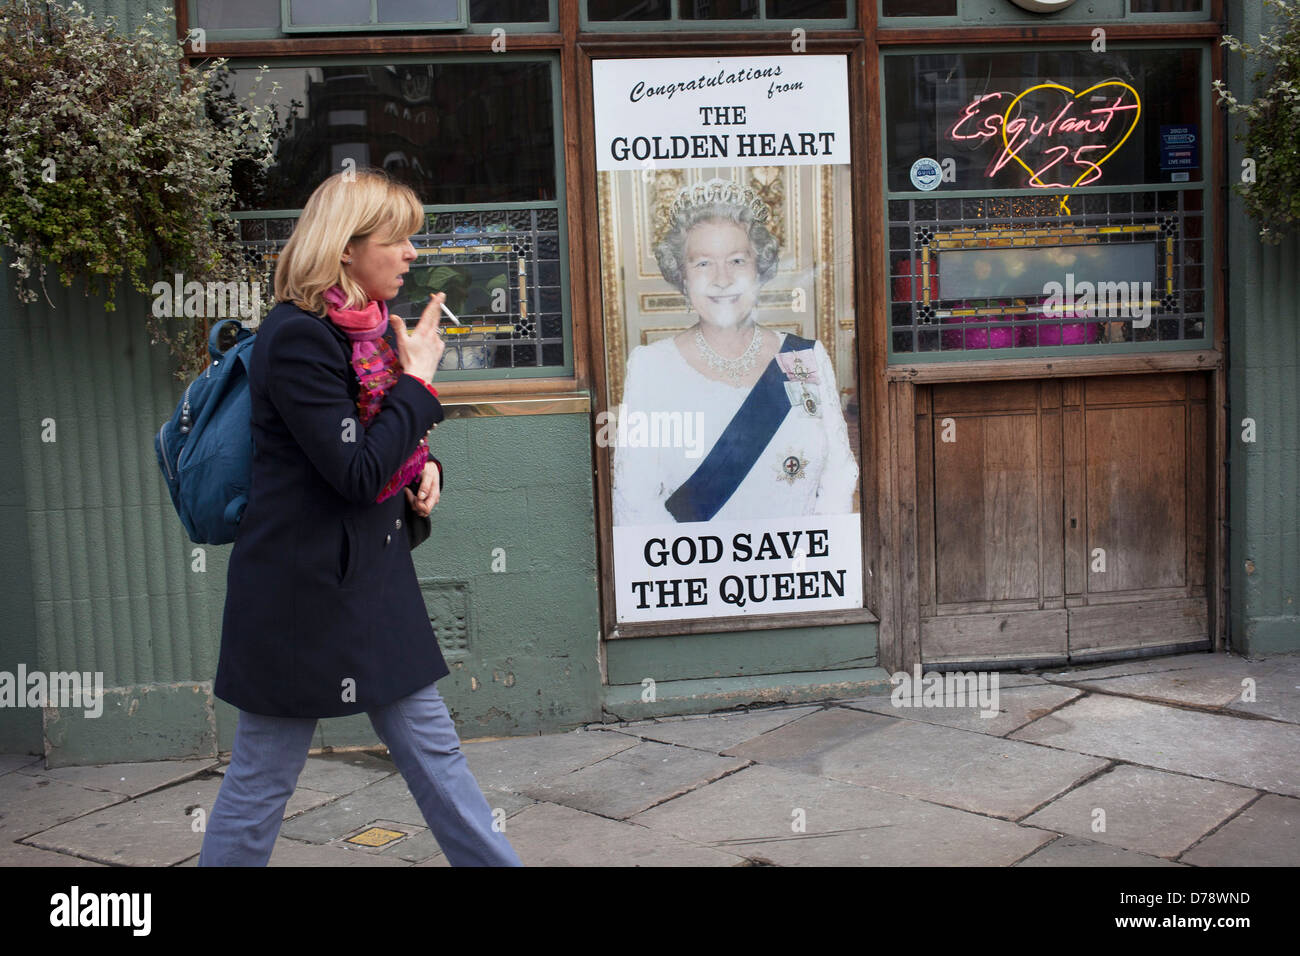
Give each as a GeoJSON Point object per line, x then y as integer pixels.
{"type": "Point", "coordinates": [117, 160]}
{"type": "Point", "coordinates": [1271, 141]}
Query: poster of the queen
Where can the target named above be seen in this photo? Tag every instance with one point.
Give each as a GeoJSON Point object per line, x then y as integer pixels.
{"type": "Point", "coordinates": [727, 284]}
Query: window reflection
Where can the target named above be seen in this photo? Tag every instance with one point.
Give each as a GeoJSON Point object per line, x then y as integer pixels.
{"type": "Point", "coordinates": [454, 132]}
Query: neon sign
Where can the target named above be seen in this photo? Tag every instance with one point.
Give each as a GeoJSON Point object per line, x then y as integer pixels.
{"type": "Point", "coordinates": [1069, 141]}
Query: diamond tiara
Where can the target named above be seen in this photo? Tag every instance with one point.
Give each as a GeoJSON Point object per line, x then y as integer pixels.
{"type": "Point", "coordinates": [719, 191]}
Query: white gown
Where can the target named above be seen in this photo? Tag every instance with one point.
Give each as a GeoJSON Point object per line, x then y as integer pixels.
{"type": "Point", "coordinates": [806, 468]}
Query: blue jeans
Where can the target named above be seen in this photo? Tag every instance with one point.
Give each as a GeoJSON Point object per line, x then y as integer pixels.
{"type": "Point", "coordinates": [270, 752]}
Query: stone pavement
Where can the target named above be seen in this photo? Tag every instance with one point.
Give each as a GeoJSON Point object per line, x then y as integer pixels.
{"type": "Point", "coordinates": [1158, 762]}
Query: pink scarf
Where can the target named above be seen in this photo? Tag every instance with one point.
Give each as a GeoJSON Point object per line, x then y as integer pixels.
{"type": "Point", "coordinates": [377, 368]}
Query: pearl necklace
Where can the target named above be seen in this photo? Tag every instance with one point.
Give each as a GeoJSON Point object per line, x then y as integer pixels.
{"type": "Point", "coordinates": [734, 368]}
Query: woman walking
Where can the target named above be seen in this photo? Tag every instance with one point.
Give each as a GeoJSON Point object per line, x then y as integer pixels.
{"type": "Point", "coordinates": [324, 616]}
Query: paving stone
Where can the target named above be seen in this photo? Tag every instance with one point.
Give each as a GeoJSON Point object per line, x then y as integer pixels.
{"type": "Point", "coordinates": [1150, 811]}
{"type": "Point", "coordinates": [1016, 679]}
{"type": "Point", "coordinates": [717, 732]}
{"type": "Point", "coordinates": [1006, 679]}
{"type": "Point", "coordinates": [387, 799]}
{"type": "Point", "coordinates": [550, 835]}
{"type": "Point", "coordinates": [1277, 693]}
{"type": "Point", "coordinates": [634, 779]}
{"type": "Point", "coordinates": [11, 762]}
{"type": "Point", "coordinates": [519, 762]}
{"type": "Point", "coordinates": [1140, 665]}
{"type": "Point", "coordinates": [343, 773]}
{"type": "Point", "coordinates": [1072, 851]}
{"type": "Point", "coordinates": [31, 804]}
{"type": "Point", "coordinates": [17, 854]}
{"type": "Point", "coordinates": [1266, 833]}
{"type": "Point", "coordinates": [1016, 706]}
{"type": "Point", "coordinates": [153, 830]}
{"type": "Point", "coordinates": [1216, 683]}
{"type": "Point", "coordinates": [292, 853]}
{"type": "Point", "coordinates": [418, 847]}
{"type": "Point", "coordinates": [304, 800]}
{"type": "Point", "coordinates": [129, 779]}
{"type": "Point", "coordinates": [752, 812]}
{"type": "Point", "coordinates": [422, 845]}
{"type": "Point", "coordinates": [953, 767]}
{"type": "Point", "coordinates": [1255, 753]}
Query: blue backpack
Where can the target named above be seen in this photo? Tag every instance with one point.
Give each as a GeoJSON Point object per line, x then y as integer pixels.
{"type": "Point", "coordinates": [205, 450]}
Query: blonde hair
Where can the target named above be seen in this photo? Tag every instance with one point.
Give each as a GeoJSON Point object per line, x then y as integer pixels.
{"type": "Point", "coordinates": [365, 204]}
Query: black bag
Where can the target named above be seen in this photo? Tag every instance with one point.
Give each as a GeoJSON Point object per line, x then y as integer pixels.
{"type": "Point", "coordinates": [418, 527]}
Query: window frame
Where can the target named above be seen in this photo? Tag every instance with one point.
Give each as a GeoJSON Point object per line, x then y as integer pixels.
{"type": "Point", "coordinates": [374, 25]}
{"type": "Point", "coordinates": [1096, 350]}
{"type": "Point", "coordinates": [869, 354]}
{"type": "Point", "coordinates": [675, 23]}
{"type": "Point", "coordinates": [218, 35]}
{"type": "Point", "coordinates": [1060, 19]}
{"type": "Point", "coordinates": [569, 369]}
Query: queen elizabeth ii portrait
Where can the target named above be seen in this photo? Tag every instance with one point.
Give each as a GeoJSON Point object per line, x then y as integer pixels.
{"type": "Point", "coordinates": [766, 436]}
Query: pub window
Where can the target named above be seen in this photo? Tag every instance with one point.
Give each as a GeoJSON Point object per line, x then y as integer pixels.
{"type": "Point", "coordinates": [269, 19]}
{"type": "Point", "coordinates": [714, 14]}
{"type": "Point", "coordinates": [919, 8]}
{"type": "Point", "coordinates": [477, 141]}
{"type": "Point", "coordinates": [1046, 202]}
{"type": "Point", "coordinates": [321, 15]}
{"type": "Point", "coordinates": [980, 11]}
{"type": "Point", "coordinates": [1166, 6]}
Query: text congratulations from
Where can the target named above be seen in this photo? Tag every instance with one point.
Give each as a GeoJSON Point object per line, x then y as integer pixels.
{"type": "Point", "coordinates": [695, 112]}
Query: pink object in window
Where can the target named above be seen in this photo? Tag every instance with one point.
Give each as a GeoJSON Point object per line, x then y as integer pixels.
{"type": "Point", "coordinates": [1072, 333]}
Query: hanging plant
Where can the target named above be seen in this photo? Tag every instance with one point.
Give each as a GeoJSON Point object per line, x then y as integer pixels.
{"type": "Point", "coordinates": [117, 161]}
{"type": "Point", "coordinates": [1271, 176]}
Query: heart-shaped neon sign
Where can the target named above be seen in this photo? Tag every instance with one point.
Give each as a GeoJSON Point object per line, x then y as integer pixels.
{"type": "Point", "coordinates": [1097, 120]}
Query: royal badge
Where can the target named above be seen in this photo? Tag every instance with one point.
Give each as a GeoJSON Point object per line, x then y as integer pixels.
{"type": "Point", "coordinates": [798, 366]}
{"type": "Point", "coordinates": [800, 372]}
{"type": "Point", "coordinates": [792, 468]}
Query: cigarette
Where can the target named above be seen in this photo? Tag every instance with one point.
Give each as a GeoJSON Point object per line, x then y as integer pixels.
{"type": "Point", "coordinates": [451, 315]}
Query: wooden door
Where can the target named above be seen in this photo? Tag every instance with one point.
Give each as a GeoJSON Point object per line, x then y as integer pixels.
{"type": "Point", "coordinates": [1135, 479]}
{"type": "Point", "coordinates": [1061, 519]}
{"type": "Point", "coordinates": [991, 564]}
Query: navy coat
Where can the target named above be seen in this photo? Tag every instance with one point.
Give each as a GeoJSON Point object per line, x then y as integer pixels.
{"type": "Point", "coordinates": [321, 589]}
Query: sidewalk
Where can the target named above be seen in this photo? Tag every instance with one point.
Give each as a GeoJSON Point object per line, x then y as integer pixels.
{"type": "Point", "coordinates": [1152, 762]}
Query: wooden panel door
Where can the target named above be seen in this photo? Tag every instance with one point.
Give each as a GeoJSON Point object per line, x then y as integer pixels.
{"type": "Point", "coordinates": [1061, 519]}
{"type": "Point", "coordinates": [989, 524]}
{"type": "Point", "coordinates": [1141, 512]}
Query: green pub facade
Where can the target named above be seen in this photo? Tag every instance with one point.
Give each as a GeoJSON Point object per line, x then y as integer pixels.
{"type": "Point", "coordinates": [1007, 326]}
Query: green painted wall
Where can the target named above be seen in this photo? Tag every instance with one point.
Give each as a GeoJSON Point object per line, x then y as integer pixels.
{"type": "Point", "coordinates": [1264, 384]}
{"type": "Point", "coordinates": [747, 653]}
{"type": "Point", "coordinates": [20, 727]}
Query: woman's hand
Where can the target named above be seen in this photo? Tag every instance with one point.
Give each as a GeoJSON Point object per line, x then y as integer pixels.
{"type": "Point", "coordinates": [429, 494]}
{"type": "Point", "coordinates": [420, 350]}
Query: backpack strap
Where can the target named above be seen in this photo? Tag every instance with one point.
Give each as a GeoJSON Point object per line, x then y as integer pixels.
{"type": "Point", "coordinates": [235, 510]}
{"type": "Point", "coordinates": [214, 337]}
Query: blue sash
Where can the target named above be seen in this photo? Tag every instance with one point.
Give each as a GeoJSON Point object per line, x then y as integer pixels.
{"type": "Point", "coordinates": [702, 495]}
